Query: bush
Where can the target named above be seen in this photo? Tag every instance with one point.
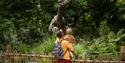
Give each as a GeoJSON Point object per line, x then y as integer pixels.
{"type": "Point", "coordinates": [104, 44]}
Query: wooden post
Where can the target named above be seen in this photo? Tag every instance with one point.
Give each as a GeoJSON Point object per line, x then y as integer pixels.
{"type": "Point", "coordinates": [122, 53]}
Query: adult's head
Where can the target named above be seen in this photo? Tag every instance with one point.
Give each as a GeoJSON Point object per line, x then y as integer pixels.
{"type": "Point", "coordinates": [59, 34]}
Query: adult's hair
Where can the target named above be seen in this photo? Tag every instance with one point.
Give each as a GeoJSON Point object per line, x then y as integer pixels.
{"type": "Point", "coordinates": [59, 34]}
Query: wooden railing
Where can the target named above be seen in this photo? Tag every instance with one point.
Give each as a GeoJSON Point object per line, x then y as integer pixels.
{"type": "Point", "coordinates": [39, 58]}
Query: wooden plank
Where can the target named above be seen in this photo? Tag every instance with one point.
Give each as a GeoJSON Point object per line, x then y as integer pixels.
{"type": "Point", "coordinates": [50, 56]}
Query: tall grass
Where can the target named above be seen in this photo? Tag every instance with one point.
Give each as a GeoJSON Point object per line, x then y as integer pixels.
{"type": "Point", "coordinates": [46, 46]}
{"type": "Point", "coordinates": [78, 50]}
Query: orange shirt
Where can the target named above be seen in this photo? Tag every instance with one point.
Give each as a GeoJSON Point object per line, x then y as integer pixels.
{"type": "Point", "coordinates": [67, 48]}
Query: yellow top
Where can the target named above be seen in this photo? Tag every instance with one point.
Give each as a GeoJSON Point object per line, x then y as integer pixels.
{"type": "Point", "coordinates": [67, 48]}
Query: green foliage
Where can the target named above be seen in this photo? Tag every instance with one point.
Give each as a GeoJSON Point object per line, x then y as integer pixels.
{"type": "Point", "coordinates": [45, 47]}
{"type": "Point", "coordinates": [104, 45]}
{"type": "Point", "coordinates": [103, 29]}
{"type": "Point", "coordinates": [24, 24]}
{"type": "Point", "coordinates": [78, 50]}
{"type": "Point", "coordinates": [23, 48]}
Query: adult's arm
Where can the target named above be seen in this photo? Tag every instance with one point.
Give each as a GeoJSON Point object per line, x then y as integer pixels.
{"type": "Point", "coordinates": [70, 47]}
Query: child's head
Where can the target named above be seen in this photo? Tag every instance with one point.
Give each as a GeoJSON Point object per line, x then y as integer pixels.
{"type": "Point", "coordinates": [59, 34]}
{"type": "Point", "coordinates": [68, 31]}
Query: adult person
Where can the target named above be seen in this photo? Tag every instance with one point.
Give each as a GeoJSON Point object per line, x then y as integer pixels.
{"type": "Point", "coordinates": [58, 48]}
{"type": "Point", "coordinates": [67, 46]}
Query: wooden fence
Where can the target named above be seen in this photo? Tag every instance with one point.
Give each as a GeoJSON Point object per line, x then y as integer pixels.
{"type": "Point", "coordinates": [38, 58]}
